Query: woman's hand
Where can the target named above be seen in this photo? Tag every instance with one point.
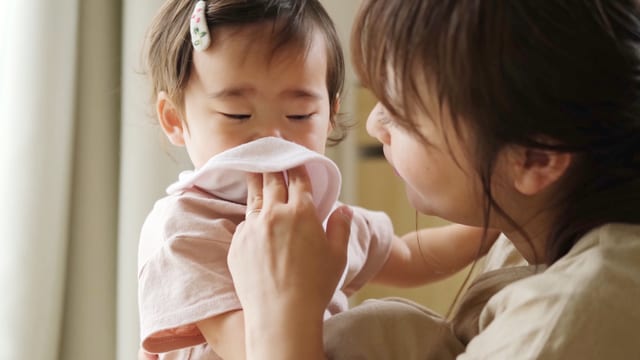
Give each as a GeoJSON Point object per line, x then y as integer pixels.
{"type": "Point", "coordinates": [285, 267]}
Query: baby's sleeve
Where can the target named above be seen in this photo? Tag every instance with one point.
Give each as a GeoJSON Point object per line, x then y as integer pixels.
{"type": "Point", "coordinates": [369, 247]}
{"type": "Point", "coordinates": [184, 278]}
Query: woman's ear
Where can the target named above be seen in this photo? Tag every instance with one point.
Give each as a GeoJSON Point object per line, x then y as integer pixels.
{"type": "Point", "coordinates": [535, 169]}
{"type": "Point", "coordinates": [170, 120]}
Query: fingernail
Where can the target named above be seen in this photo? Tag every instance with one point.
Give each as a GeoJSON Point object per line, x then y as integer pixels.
{"type": "Point", "coordinates": [347, 213]}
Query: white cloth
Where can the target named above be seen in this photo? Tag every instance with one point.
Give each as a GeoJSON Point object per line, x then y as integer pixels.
{"type": "Point", "coordinates": [225, 174]}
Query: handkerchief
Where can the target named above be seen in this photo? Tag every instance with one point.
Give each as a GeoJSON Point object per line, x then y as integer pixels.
{"type": "Point", "coordinates": [224, 175]}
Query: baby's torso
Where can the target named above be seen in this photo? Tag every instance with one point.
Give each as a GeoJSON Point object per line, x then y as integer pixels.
{"type": "Point", "coordinates": [197, 228]}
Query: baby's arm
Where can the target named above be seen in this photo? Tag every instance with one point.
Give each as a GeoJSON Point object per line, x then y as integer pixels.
{"type": "Point", "coordinates": [432, 254]}
{"type": "Point", "coordinates": [225, 334]}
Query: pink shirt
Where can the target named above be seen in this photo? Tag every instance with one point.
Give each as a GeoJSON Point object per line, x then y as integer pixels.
{"type": "Point", "coordinates": [183, 274]}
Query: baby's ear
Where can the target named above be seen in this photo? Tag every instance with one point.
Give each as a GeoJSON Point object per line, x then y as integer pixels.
{"type": "Point", "coordinates": [170, 120]}
{"type": "Point", "coordinates": [536, 169]}
{"type": "Point", "coordinates": [335, 110]}
{"type": "Point", "coordinates": [336, 105]}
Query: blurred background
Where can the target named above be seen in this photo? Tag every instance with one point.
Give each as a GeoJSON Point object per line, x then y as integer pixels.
{"type": "Point", "coordinates": [83, 162]}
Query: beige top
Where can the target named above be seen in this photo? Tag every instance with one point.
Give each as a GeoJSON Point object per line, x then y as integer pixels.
{"type": "Point", "coordinates": [584, 306]}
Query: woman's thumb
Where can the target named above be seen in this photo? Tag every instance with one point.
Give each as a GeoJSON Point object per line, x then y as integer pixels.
{"type": "Point", "coordinates": [339, 229]}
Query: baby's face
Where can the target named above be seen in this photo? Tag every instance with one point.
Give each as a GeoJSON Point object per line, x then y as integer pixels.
{"type": "Point", "coordinates": [238, 92]}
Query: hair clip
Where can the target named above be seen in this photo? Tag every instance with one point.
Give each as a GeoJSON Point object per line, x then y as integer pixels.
{"type": "Point", "coordinates": [200, 37]}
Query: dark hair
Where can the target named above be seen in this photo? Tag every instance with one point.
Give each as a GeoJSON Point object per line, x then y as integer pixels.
{"type": "Point", "coordinates": [168, 52]}
{"type": "Point", "coordinates": [559, 75]}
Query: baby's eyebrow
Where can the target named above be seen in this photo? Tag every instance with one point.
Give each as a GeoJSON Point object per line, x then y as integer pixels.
{"type": "Point", "coordinates": [248, 91]}
{"type": "Point", "coordinates": [240, 91]}
{"type": "Point", "coordinates": [300, 93]}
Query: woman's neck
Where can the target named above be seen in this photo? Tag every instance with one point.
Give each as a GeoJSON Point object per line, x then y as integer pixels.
{"type": "Point", "coordinates": [533, 254]}
{"type": "Point", "coordinates": [531, 237]}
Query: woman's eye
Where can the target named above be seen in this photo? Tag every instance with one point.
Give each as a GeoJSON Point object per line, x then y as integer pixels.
{"type": "Point", "coordinates": [236, 116]}
{"type": "Point", "coordinates": [384, 118]}
{"type": "Point", "coordinates": [299, 117]}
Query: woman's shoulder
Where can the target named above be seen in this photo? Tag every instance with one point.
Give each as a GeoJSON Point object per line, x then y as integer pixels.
{"type": "Point", "coordinates": [615, 237]}
{"type": "Point", "coordinates": [583, 306]}
{"type": "Point", "coordinates": [602, 268]}
{"type": "Point", "coordinates": [607, 259]}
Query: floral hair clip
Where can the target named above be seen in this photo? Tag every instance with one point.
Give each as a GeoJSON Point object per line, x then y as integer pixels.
{"type": "Point", "coordinates": [200, 37]}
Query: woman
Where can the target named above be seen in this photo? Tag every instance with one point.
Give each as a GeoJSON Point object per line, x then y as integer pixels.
{"type": "Point", "coordinates": [519, 115]}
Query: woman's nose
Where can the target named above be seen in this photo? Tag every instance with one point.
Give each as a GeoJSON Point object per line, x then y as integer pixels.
{"type": "Point", "coordinates": [376, 126]}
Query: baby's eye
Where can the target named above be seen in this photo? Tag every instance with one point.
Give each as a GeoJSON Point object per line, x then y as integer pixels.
{"type": "Point", "coordinates": [236, 116]}
{"type": "Point", "coordinates": [297, 117]}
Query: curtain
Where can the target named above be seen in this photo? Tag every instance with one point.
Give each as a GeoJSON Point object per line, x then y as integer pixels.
{"type": "Point", "coordinates": [37, 107]}
{"type": "Point", "coordinates": [82, 163]}
{"type": "Point", "coordinates": [148, 164]}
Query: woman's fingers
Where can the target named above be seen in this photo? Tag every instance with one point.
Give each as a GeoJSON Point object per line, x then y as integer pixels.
{"type": "Point", "coordinates": [339, 229]}
{"type": "Point", "coordinates": [274, 189]}
{"type": "Point", "coordinates": [299, 185]}
{"type": "Point", "coordinates": [269, 190]}
{"type": "Point", "coordinates": [254, 193]}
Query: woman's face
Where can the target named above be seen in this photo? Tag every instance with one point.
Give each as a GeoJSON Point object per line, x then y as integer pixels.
{"type": "Point", "coordinates": [434, 164]}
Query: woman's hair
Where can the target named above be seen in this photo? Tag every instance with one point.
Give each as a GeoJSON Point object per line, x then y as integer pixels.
{"type": "Point", "coordinates": [168, 52]}
{"type": "Point", "coordinates": [558, 75]}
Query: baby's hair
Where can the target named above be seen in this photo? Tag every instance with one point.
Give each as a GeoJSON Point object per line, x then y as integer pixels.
{"type": "Point", "coordinates": [556, 75]}
{"type": "Point", "coordinates": [169, 52]}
